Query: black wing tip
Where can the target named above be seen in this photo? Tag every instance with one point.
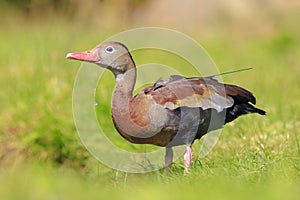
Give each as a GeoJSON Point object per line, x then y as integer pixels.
{"type": "Point", "coordinates": [253, 109]}
{"type": "Point", "coordinates": [261, 112]}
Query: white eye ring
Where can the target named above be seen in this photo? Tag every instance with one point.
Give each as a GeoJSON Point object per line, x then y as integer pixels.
{"type": "Point", "coordinates": [109, 49]}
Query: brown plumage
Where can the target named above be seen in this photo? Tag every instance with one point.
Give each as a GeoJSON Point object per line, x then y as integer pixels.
{"type": "Point", "coordinates": [174, 111]}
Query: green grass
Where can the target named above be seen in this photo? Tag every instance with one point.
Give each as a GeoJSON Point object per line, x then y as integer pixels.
{"type": "Point", "coordinates": [42, 156]}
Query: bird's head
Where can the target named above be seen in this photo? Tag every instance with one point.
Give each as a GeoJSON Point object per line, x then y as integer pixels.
{"type": "Point", "coordinates": [111, 55]}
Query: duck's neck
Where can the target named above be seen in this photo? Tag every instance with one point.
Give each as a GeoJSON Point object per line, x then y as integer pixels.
{"type": "Point", "coordinates": [124, 86]}
{"type": "Point", "coordinates": [121, 103]}
{"type": "Point", "coordinates": [123, 93]}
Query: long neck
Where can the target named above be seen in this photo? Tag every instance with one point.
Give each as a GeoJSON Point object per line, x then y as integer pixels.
{"type": "Point", "coordinates": [121, 101]}
{"type": "Point", "coordinates": [124, 87]}
{"type": "Point", "coordinates": [122, 95]}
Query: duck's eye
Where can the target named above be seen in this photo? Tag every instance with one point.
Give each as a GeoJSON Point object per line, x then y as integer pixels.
{"type": "Point", "coordinates": [109, 49]}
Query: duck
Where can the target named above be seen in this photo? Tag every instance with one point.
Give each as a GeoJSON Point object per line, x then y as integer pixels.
{"type": "Point", "coordinates": [173, 111]}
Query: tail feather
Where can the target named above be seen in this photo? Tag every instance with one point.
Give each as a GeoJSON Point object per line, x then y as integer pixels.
{"type": "Point", "coordinates": [241, 109]}
{"type": "Point", "coordinates": [248, 108]}
{"type": "Point", "coordinates": [259, 111]}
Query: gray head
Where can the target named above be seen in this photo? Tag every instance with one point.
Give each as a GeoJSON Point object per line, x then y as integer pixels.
{"type": "Point", "coordinates": [111, 55]}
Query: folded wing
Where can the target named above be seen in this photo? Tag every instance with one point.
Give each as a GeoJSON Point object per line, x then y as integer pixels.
{"type": "Point", "coordinates": [206, 93]}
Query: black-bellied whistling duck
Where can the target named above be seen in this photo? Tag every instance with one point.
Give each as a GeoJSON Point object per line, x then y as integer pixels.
{"type": "Point", "coordinates": [175, 111]}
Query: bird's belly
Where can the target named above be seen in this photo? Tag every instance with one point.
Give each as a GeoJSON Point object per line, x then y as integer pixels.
{"type": "Point", "coordinates": [166, 127]}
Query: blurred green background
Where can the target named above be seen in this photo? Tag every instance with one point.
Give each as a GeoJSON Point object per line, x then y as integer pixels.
{"type": "Point", "coordinates": [41, 154]}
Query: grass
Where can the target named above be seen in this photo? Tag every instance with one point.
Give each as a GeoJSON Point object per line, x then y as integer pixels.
{"type": "Point", "coordinates": [42, 157]}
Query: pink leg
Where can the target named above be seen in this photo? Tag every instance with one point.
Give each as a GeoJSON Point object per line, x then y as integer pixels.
{"type": "Point", "coordinates": [188, 158]}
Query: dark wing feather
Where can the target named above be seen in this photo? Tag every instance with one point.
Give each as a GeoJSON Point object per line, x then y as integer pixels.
{"type": "Point", "coordinates": [206, 93]}
{"type": "Point", "coordinates": [239, 94]}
